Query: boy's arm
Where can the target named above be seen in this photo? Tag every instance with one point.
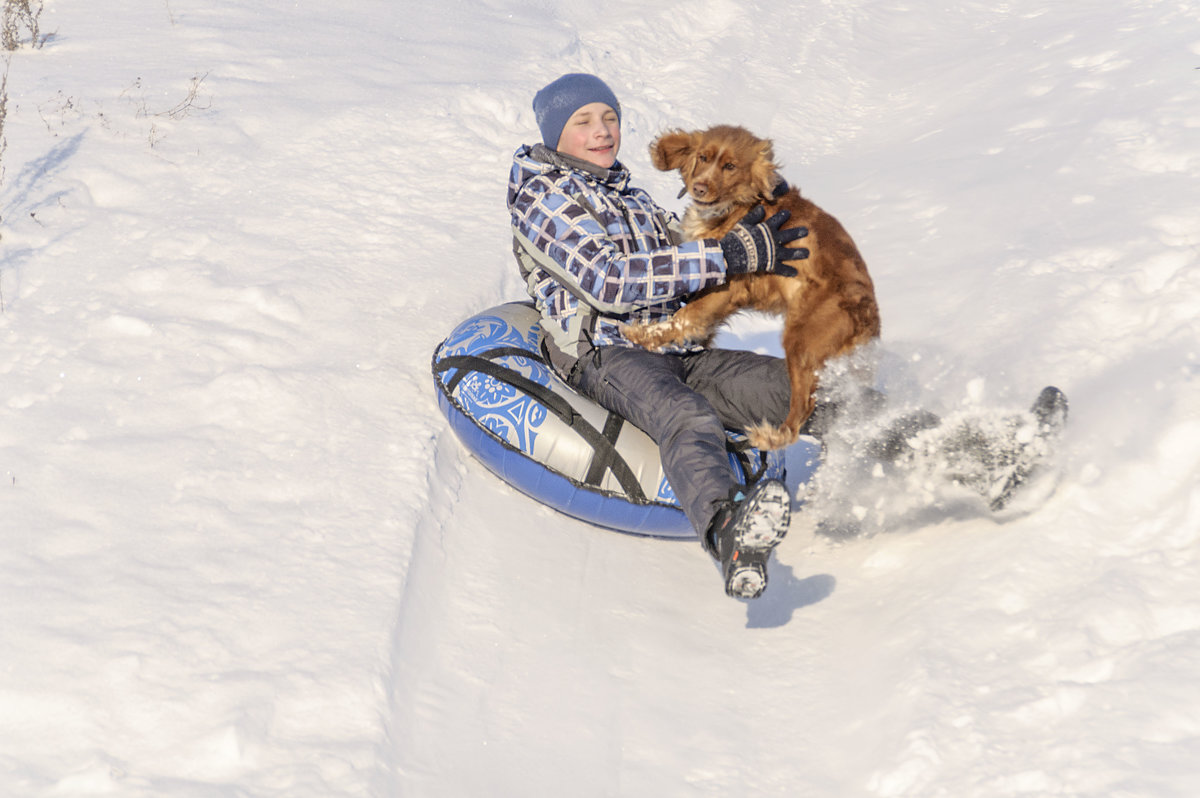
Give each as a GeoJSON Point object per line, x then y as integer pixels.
{"type": "Point", "coordinates": [569, 242]}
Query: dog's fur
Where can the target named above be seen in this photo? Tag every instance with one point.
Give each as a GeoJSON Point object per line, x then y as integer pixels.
{"type": "Point", "coordinates": [829, 308]}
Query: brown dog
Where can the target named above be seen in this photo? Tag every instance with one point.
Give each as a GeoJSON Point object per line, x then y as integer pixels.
{"type": "Point", "coordinates": [828, 308]}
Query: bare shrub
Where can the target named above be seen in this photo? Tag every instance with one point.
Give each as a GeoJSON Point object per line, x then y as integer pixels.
{"type": "Point", "coordinates": [19, 16]}
{"type": "Point", "coordinates": [3, 115]}
{"type": "Point", "coordinates": [3, 147]}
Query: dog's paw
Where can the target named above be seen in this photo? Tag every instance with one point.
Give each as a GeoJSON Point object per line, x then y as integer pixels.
{"type": "Point", "coordinates": [654, 336]}
{"type": "Point", "coordinates": [766, 437]}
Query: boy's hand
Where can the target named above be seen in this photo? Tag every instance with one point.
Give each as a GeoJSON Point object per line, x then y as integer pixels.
{"type": "Point", "coordinates": [758, 246]}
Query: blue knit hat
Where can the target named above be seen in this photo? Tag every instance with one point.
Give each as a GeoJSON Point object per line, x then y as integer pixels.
{"type": "Point", "coordinates": [554, 104]}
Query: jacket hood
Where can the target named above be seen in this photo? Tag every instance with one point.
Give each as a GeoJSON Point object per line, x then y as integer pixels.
{"type": "Point", "coordinates": [538, 160]}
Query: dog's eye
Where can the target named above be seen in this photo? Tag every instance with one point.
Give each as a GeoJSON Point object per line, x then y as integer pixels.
{"type": "Point", "coordinates": [702, 158]}
{"type": "Point", "coordinates": [729, 166]}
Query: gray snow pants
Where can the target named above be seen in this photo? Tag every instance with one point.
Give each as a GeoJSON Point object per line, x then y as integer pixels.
{"type": "Point", "coordinates": [684, 402]}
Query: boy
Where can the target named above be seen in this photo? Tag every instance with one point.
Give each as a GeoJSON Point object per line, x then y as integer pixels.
{"type": "Point", "coordinates": [596, 254]}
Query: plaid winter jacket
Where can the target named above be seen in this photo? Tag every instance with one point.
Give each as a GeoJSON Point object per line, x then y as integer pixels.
{"type": "Point", "coordinates": [597, 253]}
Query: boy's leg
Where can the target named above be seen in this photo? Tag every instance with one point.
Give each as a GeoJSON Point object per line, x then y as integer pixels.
{"type": "Point", "coordinates": [744, 388]}
{"type": "Point", "coordinates": [747, 389]}
{"type": "Point", "coordinates": [648, 390]}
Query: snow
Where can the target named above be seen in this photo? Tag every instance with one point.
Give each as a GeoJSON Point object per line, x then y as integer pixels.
{"type": "Point", "coordinates": [243, 555]}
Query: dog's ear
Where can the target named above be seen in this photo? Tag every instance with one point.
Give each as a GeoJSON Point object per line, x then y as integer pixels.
{"type": "Point", "coordinates": [763, 172]}
{"type": "Point", "coordinates": [671, 149]}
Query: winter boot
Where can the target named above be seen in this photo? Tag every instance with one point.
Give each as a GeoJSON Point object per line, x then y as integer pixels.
{"type": "Point", "coordinates": [1050, 413]}
{"type": "Point", "coordinates": [743, 533]}
{"type": "Point", "coordinates": [998, 457]}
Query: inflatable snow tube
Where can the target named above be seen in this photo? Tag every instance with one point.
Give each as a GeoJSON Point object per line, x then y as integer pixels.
{"type": "Point", "coordinates": [527, 426]}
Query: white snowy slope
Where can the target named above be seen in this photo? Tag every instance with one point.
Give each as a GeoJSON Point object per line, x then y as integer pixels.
{"type": "Point", "coordinates": [241, 553]}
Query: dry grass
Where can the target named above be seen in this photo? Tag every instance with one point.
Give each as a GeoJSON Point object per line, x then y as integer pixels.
{"type": "Point", "coordinates": [21, 17]}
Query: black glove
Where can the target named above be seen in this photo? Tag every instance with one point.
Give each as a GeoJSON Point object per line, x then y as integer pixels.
{"type": "Point", "coordinates": [758, 246]}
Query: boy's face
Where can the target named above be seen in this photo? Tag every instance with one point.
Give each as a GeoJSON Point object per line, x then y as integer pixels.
{"type": "Point", "coordinates": [593, 134]}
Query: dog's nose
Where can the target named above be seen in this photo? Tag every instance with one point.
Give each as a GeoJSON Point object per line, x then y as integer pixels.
{"type": "Point", "coordinates": [699, 189]}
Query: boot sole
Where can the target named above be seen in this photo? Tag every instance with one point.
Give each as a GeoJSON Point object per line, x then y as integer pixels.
{"type": "Point", "coordinates": [768, 515]}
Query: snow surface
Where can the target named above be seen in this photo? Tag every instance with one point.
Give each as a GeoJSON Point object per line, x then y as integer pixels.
{"type": "Point", "coordinates": [244, 556]}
